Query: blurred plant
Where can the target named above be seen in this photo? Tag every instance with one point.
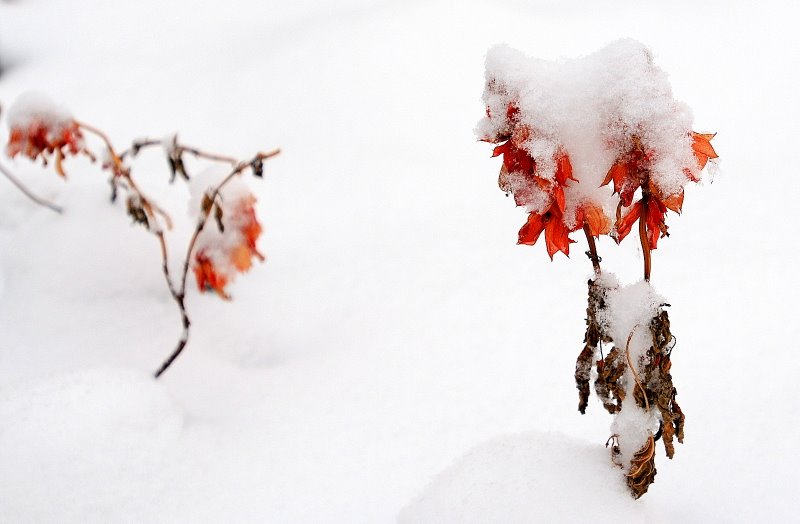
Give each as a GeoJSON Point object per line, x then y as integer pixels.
{"type": "Point", "coordinates": [632, 379]}
{"type": "Point", "coordinates": [41, 131]}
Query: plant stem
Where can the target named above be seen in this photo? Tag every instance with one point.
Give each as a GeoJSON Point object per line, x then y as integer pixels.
{"type": "Point", "coordinates": [27, 192]}
{"type": "Point", "coordinates": [592, 249]}
{"type": "Point", "coordinates": [178, 297]}
{"type": "Point", "coordinates": [643, 238]}
{"type": "Point", "coordinates": [180, 148]}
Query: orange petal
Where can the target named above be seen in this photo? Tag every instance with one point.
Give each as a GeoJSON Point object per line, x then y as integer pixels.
{"type": "Point", "coordinates": [556, 237]}
{"type": "Point", "coordinates": [561, 201]}
{"type": "Point", "coordinates": [208, 279]}
{"type": "Point", "coordinates": [564, 169]}
{"type": "Point", "coordinates": [241, 257]}
{"type": "Point", "coordinates": [501, 149]}
{"type": "Point", "coordinates": [599, 223]}
{"type": "Point", "coordinates": [530, 232]}
{"type": "Point", "coordinates": [675, 202]}
{"type": "Point", "coordinates": [624, 224]}
{"type": "Point", "coordinates": [617, 173]}
{"type": "Point", "coordinates": [703, 150]}
{"type": "Point", "coordinates": [702, 144]}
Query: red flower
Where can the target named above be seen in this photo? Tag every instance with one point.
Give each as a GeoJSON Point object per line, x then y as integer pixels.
{"type": "Point", "coordinates": [229, 250]}
{"type": "Point", "coordinates": [208, 277]}
{"type": "Point", "coordinates": [40, 137]}
{"type": "Point", "coordinates": [632, 172]}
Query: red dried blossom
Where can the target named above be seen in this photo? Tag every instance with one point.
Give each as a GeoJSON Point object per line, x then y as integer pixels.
{"type": "Point", "coordinates": [632, 172]}
{"type": "Point", "coordinates": [231, 249]}
{"type": "Point", "coordinates": [42, 137]}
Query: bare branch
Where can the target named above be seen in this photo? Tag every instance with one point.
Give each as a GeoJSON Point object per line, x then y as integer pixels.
{"type": "Point", "coordinates": [27, 192]}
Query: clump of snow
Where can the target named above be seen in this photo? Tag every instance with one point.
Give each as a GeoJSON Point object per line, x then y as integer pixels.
{"type": "Point", "coordinates": [590, 108]}
{"type": "Point", "coordinates": [36, 108]}
{"type": "Point", "coordinates": [632, 426]}
{"type": "Point", "coordinates": [629, 310]}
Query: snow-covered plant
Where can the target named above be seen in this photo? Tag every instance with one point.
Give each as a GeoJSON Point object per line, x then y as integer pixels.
{"type": "Point", "coordinates": [566, 131]}
{"type": "Point", "coordinates": [40, 130]}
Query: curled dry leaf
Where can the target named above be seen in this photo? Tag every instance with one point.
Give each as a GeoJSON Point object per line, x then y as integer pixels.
{"type": "Point", "coordinates": [643, 469]}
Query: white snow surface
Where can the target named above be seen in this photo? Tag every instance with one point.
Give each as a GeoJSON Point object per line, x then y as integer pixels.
{"type": "Point", "coordinates": [398, 353]}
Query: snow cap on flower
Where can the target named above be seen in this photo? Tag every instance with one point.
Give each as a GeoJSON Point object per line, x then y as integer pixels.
{"type": "Point", "coordinates": [39, 128]}
{"type": "Point", "coordinates": [609, 111]}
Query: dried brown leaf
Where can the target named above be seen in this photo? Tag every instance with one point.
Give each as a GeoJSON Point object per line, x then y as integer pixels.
{"type": "Point", "coordinates": [643, 468]}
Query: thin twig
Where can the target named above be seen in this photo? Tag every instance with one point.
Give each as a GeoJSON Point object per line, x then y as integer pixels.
{"type": "Point", "coordinates": [208, 156]}
{"type": "Point", "coordinates": [104, 137]}
{"type": "Point", "coordinates": [119, 170]}
{"type": "Point", "coordinates": [179, 149]}
{"type": "Point", "coordinates": [178, 297]}
{"type": "Point", "coordinates": [27, 192]}
{"type": "Point", "coordinates": [139, 145]}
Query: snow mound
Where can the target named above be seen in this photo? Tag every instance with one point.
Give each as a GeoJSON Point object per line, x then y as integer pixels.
{"type": "Point", "coordinates": [83, 443]}
{"type": "Point", "coordinates": [530, 477]}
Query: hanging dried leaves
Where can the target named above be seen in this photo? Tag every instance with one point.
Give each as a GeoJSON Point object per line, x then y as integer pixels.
{"type": "Point", "coordinates": [654, 389]}
{"type": "Point", "coordinates": [592, 346]}
{"type": "Point", "coordinates": [657, 382]}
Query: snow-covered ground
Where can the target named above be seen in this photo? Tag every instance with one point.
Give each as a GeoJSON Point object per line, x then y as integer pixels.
{"type": "Point", "coordinates": [397, 355]}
